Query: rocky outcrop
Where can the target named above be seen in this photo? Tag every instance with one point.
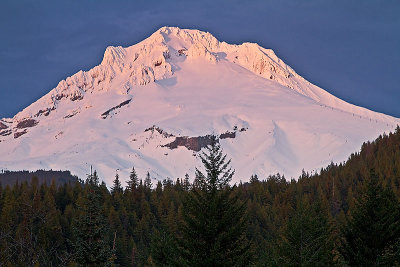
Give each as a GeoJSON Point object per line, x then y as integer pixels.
{"type": "Point", "coordinates": [5, 132]}
{"type": "Point", "coordinates": [44, 112]}
{"type": "Point", "coordinates": [26, 123]}
{"type": "Point", "coordinates": [107, 113]}
{"type": "Point", "coordinates": [3, 126]}
{"type": "Point", "coordinates": [18, 134]}
{"type": "Point", "coordinates": [73, 113]}
{"type": "Point", "coordinates": [227, 135]}
{"type": "Point", "coordinates": [191, 143]}
{"type": "Point", "coordinates": [159, 130]}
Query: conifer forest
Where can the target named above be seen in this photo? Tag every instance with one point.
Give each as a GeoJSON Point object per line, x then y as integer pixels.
{"type": "Point", "coordinates": [346, 214]}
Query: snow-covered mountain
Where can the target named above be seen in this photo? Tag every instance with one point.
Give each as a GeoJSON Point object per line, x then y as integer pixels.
{"type": "Point", "coordinates": [152, 105]}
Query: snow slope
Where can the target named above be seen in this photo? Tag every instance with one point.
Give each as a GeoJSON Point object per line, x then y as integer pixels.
{"type": "Point", "coordinates": [180, 84]}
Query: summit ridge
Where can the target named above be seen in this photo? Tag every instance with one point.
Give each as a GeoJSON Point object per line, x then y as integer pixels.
{"type": "Point", "coordinates": [153, 104]}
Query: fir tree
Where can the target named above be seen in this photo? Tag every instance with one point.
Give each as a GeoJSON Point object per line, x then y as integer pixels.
{"type": "Point", "coordinates": [306, 240]}
{"type": "Point", "coordinates": [147, 181]}
{"type": "Point", "coordinates": [254, 178]}
{"type": "Point", "coordinates": [213, 231]}
{"type": "Point", "coordinates": [164, 249]}
{"type": "Point", "coordinates": [373, 229]}
{"type": "Point", "coordinates": [133, 181]}
{"type": "Point", "coordinates": [117, 187]}
{"type": "Point", "coordinates": [91, 231]}
{"type": "Point", "coordinates": [186, 183]}
{"type": "Point", "coordinates": [92, 179]}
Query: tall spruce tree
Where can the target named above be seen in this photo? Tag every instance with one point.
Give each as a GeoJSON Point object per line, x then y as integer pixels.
{"type": "Point", "coordinates": [186, 183]}
{"type": "Point", "coordinates": [164, 249]}
{"type": "Point", "coordinates": [133, 181]}
{"type": "Point", "coordinates": [371, 232]}
{"type": "Point", "coordinates": [214, 221]}
{"type": "Point", "coordinates": [91, 232]}
{"type": "Point", "coordinates": [147, 181]}
{"type": "Point", "coordinates": [307, 238]}
{"type": "Point", "coordinates": [117, 187]}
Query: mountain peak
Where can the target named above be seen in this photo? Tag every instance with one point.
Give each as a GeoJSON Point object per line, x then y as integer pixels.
{"type": "Point", "coordinates": [156, 58]}
{"type": "Point", "coordinates": [113, 55]}
{"type": "Point", "coordinates": [154, 103]}
{"type": "Point", "coordinates": [189, 35]}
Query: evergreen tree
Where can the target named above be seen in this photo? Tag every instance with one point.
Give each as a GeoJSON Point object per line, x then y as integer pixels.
{"type": "Point", "coordinates": [147, 181]}
{"type": "Point", "coordinates": [254, 178]}
{"type": "Point", "coordinates": [8, 221]}
{"type": "Point", "coordinates": [164, 249]}
{"type": "Point", "coordinates": [117, 187]}
{"type": "Point", "coordinates": [186, 183]}
{"type": "Point", "coordinates": [213, 231]}
{"type": "Point", "coordinates": [91, 231]}
{"type": "Point", "coordinates": [133, 181]}
{"type": "Point", "coordinates": [92, 179]}
{"type": "Point", "coordinates": [307, 240]}
{"type": "Point", "coordinates": [38, 223]}
{"type": "Point", "coordinates": [373, 229]}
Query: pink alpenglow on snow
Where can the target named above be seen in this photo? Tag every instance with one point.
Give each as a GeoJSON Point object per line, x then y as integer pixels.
{"type": "Point", "coordinates": [152, 105]}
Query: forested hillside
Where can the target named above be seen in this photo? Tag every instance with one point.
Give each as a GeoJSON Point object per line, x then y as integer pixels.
{"type": "Point", "coordinates": [42, 176]}
{"type": "Point", "coordinates": [348, 214]}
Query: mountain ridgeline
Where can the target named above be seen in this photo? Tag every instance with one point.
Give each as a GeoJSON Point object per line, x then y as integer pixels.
{"type": "Point", "coordinates": [348, 214]}
{"type": "Point", "coordinates": [183, 85]}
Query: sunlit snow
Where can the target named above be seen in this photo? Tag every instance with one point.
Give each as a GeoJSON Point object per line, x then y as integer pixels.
{"type": "Point", "coordinates": [187, 83]}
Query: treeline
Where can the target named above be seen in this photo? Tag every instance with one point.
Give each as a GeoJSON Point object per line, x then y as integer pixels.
{"type": "Point", "coordinates": [42, 176]}
{"type": "Point", "coordinates": [348, 214]}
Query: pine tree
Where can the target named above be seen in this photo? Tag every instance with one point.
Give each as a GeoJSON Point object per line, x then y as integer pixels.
{"type": "Point", "coordinates": [133, 181]}
{"type": "Point", "coordinates": [373, 228]}
{"type": "Point", "coordinates": [147, 181]}
{"type": "Point", "coordinates": [117, 187]}
{"type": "Point", "coordinates": [186, 183]}
{"type": "Point", "coordinates": [254, 178]}
{"type": "Point", "coordinates": [91, 231]}
{"type": "Point", "coordinates": [213, 231]}
{"type": "Point", "coordinates": [306, 240]}
{"type": "Point", "coordinates": [92, 179]}
{"type": "Point", "coordinates": [164, 249]}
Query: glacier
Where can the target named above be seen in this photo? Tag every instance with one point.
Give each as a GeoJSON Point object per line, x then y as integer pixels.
{"type": "Point", "coordinates": [153, 104]}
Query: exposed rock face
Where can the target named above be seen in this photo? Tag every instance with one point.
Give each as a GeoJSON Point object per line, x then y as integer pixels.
{"type": "Point", "coordinates": [228, 135]}
{"type": "Point", "coordinates": [191, 143]}
{"type": "Point", "coordinates": [159, 130]}
{"type": "Point", "coordinates": [73, 113]}
{"type": "Point", "coordinates": [5, 132]}
{"type": "Point", "coordinates": [44, 112]}
{"type": "Point", "coordinates": [107, 113]}
{"type": "Point", "coordinates": [3, 126]}
{"type": "Point", "coordinates": [26, 123]}
{"type": "Point", "coordinates": [18, 134]}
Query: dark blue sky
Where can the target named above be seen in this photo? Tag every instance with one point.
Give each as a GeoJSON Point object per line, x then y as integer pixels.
{"type": "Point", "coordinates": [350, 48]}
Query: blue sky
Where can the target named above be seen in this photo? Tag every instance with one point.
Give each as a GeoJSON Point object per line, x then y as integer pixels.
{"type": "Point", "coordinates": [350, 48]}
